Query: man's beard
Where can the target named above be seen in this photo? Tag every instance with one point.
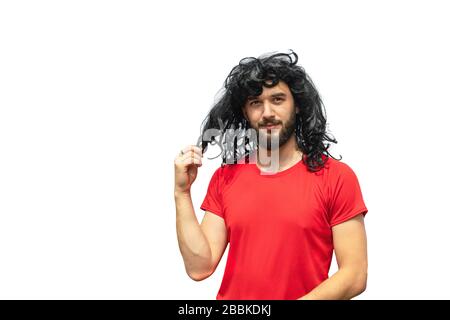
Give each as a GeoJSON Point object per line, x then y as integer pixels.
{"type": "Point", "coordinates": [284, 134]}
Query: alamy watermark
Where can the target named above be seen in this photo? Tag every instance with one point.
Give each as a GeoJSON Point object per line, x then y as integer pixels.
{"type": "Point", "coordinates": [232, 143]}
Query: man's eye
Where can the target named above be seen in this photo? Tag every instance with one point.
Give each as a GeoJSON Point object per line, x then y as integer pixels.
{"type": "Point", "coordinates": [278, 99]}
{"type": "Point", "coordinates": [254, 103]}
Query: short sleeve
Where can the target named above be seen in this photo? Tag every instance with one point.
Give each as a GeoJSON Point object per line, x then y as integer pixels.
{"type": "Point", "coordinates": [346, 199]}
{"type": "Point", "coordinates": [213, 200]}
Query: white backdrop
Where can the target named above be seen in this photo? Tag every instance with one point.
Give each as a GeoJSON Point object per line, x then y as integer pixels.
{"type": "Point", "coordinates": [98, 97]}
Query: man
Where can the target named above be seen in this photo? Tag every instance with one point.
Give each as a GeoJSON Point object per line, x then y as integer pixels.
{"type": "Point", "coordinates": [283, 224]}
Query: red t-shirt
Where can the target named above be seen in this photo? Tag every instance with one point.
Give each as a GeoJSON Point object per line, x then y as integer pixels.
{"type": "Point", "coordinates": [279, 226]}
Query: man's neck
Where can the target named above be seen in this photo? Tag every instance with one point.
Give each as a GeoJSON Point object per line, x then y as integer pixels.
{"type": "Point", "coordinates": [289, 154]}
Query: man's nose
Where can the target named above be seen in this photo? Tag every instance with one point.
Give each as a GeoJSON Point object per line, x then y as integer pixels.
{"type": "Point", "coordinates": [268, 110]}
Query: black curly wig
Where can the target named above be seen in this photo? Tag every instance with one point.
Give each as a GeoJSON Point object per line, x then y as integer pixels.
{"type": "Point", "coordinates": [247, 79]}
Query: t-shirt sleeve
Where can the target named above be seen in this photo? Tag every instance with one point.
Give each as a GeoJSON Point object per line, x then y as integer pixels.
{"type": "Point", "coordinates": [346, 199]}
{"type": "Point", "coordinates": [213, 200]}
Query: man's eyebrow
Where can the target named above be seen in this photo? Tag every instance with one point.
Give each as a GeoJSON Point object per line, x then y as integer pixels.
{"type": "Point", "coordinates": [277, 94]}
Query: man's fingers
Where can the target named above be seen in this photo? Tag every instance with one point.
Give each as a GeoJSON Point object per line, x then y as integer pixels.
{"type": "Point", "coordinates": [190, 154]}
{"type": "Point", "coordinates": [189, 161]}
{"type": "Point", "coordinates": [192, 148]}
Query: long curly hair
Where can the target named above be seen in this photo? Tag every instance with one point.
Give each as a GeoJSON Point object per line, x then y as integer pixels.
{"type": "Point", "coordinates": [247, 79]}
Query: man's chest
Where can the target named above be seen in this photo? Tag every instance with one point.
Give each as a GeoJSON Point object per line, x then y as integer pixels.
{"type": "Point", "coordinates": [276, 204]}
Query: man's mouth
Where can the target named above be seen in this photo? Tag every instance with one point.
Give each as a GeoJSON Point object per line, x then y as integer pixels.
{"type": "Point", "coordinates": [271, 126]}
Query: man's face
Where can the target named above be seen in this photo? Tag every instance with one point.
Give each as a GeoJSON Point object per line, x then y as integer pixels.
{"type": "Point", "coordinates": [272, 113]}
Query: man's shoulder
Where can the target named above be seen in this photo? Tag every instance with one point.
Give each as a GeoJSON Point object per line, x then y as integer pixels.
{"type": "Point", "coordinates": [337, 168]}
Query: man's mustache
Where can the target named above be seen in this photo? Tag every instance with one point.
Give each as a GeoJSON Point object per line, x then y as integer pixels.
{"type": "Point", "coordinates": [270, 124]}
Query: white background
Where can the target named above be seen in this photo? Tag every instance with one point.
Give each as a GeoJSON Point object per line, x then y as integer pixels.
{"type": "Point", "coordinates": [98, 97]}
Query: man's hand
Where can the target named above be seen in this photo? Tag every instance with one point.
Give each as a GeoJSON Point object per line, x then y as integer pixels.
{"type": "Point", "coordinates": [186, 164]}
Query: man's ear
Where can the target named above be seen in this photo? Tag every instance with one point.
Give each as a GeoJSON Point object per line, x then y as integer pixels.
{"type": "Point", "coordinates": [297, 109]}
{"type": "Point", "coordinates": [243, 113]}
